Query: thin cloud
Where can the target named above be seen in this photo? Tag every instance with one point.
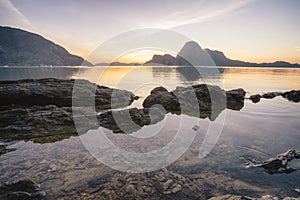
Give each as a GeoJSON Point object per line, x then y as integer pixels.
{"type": "Point", "coordinates": [180, 18]}
{"type": "Point", "coordinates": [21, 18]}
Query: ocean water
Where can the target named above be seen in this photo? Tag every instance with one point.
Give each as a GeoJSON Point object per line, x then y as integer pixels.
{"type": "Point", "coordinates": [258, 131]}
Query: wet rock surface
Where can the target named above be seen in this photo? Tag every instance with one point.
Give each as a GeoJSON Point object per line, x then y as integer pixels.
{"type": "Point", "coordinates": [236, 197]}
{"type": "Point", "coordinates": [59, 92]}
{"type": "Point", "coordinates": [235, 99]}
{"type": "Point", "coordinates": [22, 190]}
{"type": "Point", "coordinates": [153, 185]}
{"type": "Point", "coordinates": [130, 120]}
{"type": "Point", "coordinates": [279, 164]}
{"type": "Point", "coordinates": [4, 150]}
{"type": "Point", "coordinates": [293, 95]}
{"type": "Point", "coordinates": [209, 99]}
{"type": "Point", "coordinates": [183, 100]}
{"type": "Point", "coordinates": [41, 110]}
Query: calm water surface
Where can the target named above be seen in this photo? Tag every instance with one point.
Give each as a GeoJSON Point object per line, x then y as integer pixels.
{"type": "Point", "coordinates": [258, 131]}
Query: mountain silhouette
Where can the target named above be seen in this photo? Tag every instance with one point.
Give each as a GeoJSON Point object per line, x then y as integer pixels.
{"type": "Point", "coordinates": [192, 54]}
{"type": "Point", "coordinates": [19, 47]}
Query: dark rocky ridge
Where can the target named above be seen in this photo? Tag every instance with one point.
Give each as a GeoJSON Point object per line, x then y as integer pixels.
{"type": "Point", "coordinates": [22, 48]}
{"type": "Point", "coordinates": [41, 110]}
{"type": "Point", "coordinates": [192, 49]}
{"type": "Point", "coordinates": [293, 96]}
{"type": "Point", "coordinates": [58, 92]}
{"type": "Point", "coordinates": [184, 99]}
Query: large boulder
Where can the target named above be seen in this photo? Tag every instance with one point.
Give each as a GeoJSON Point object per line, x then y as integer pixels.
{"type": "Point", "coordinates": [293, 95]}
{"type": "Point", "coordinates": [58, 92]}
{"type": "Point", "coordinates": [198, 100]}
{"type": "Point", "coordinates": [235, 98]}
{"type": "Point", "coordinates": [44, 110]}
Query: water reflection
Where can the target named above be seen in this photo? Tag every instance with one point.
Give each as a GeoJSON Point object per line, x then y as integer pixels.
{"type": "Point", "coordinates": [17, 73]}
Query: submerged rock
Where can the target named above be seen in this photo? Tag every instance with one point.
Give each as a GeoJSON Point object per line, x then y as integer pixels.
{"type": "Point", "coordinates": [21, 190]}
{"type": "Point", "coordinates": [162, 184]}
{"type": "Point", "coordinates": [278, 164]}
{"type": "Point", "coordinates": [237, 197]}
{"type": "Point", "coordinates": [4, 150]}
{"type": "Point", "coordinates": [35, 122]}
{"type": "Point", "coordinates": [130, 120]}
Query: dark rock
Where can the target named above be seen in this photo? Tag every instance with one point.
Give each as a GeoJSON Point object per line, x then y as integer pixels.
{"type": "Point", "coordinates": [209, 99]}
{"type": "Point", "coordinates": [271, 95]}
{"type": "Point", "coordinates": [255, 98]}
{"type": "Point", "coordinates": [235, 99]}
{"type": "Point", "coordinates": [4, 150]}
{"type": "Point", "coordinates": [162, 184]}
{"type": "Point", "coordinates": [130, 120]}
{"type": "Point", "coordinates": [161, 97]}
{"type": "Point", "coordinates": [58, 92]}
{"type": "Point", "coordinates": [278, 164]}
{"type": "Point", "coordinates": [37, 121]}
{"type": "Point", "coordinates": [293, 95]}
{"type": "Point", "coordinates": [158, 89]}
{"type": "Point", "coordinates": [237, 197]}
{"type": "Point", "coordinates": [22, 190]}
{"type": "Point", "coordinates": [40, 110]}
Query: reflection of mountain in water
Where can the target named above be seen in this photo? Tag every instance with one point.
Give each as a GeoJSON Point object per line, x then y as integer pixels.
{"type": "Point", "coordinates": [198, 73]}
{"type": "Point", "coordinates": [13, 73]}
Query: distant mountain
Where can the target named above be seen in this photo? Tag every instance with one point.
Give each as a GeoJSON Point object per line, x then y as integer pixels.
{"type": "Point", "coordinates": [205, 57]}
{"type": "Point", "coordinates": [117, 64]}
{"type": "Point", "coordinates": [19, 47]}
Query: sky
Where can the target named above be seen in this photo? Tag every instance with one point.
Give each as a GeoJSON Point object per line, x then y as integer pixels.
{"type": "Point", "coordinates": [248, 30]}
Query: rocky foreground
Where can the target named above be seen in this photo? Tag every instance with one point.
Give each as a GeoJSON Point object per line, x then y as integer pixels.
{"type": "Point", "coordinates": [43, 110]}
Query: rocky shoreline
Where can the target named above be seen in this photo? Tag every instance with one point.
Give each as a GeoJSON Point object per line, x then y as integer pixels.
{"type": "Point", "coordinates": [41, 110]}
{"type": "Point", "coordinates": [293, 96]}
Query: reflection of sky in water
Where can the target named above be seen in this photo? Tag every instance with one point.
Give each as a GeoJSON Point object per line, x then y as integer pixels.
{"type": "Point", "coordinates": [259, 130]}
{"type": "Point", "coordinates": [143, 78]}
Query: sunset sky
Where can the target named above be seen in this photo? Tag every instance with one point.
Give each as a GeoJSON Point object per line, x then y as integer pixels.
{"type": "Point", "coordinates": [248, 30]}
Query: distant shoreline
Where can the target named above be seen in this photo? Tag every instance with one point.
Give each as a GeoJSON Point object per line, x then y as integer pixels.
{"type": "Point", "coordinates": [66, 66]}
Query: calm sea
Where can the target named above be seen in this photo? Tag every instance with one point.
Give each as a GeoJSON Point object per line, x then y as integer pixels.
{"type": "Point", "coordinates": [258, 131]}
